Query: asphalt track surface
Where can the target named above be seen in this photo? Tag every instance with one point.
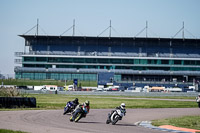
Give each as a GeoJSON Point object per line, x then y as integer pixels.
{"type": "Point", "coordinates": [53, 121]}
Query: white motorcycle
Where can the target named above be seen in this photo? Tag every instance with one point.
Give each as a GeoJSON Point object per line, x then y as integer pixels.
{"type": "Point", "coordinates": [115, 116]}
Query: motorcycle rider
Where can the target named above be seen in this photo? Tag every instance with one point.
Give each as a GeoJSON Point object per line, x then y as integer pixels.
{"type": "Point", "coordinates": [121, 107]}
{"type": "Point", "coordinates": [198, 100]}
{"type": "Point", "coordinates": [74, 103]}
{"type": "Point", "coordinates": [84, 108]}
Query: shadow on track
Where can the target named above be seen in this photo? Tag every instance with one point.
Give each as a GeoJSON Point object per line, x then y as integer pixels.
{"type": "Point", "coordinates": [89, 122]}
{"type": "Point", "coordinates": [125, 125]}
{"type": "Point", "coordinates": [106, 124]}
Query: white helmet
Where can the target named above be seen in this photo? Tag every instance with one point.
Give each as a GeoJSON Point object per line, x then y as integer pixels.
{"type": "Point", "coordinates": [123, 105]}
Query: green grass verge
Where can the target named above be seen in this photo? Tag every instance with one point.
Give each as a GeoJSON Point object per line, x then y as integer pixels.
{"type": "Point", "coordinates": [27, 82]}
{"type": "Point", "coordinates": [52, 101]}
{"type": "Point", "coordinates": [192, 122]}
{"type": "Point", "coordinates": [10, 131]}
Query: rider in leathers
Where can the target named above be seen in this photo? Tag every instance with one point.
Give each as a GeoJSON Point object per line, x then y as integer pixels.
{"type": "Point", "coordinates": [74, 103]}
{"type": "Point", "coordinates": [198, 100]}
{"type": "Point", "coordinates": [84, 108]}
{"type": "Point", "coordinates": [121, 107]}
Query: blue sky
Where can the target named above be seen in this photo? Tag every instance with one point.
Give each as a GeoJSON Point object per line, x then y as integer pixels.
{"type": "Point", "coordinates": [165, 18]}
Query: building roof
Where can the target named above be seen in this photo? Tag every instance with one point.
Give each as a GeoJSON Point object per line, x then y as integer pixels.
{"type": "Point", "coordinates": [108, 38]}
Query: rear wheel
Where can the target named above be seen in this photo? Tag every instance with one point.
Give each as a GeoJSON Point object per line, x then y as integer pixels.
{"type": "Point", "coordinates": [78, 117]}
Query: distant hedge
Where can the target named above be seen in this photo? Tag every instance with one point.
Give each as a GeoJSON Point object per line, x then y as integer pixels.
{"type": "Point", "coordinates": [27, 82]}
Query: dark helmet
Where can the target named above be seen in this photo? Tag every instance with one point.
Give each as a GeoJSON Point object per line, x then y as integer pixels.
{"type": "Point", "coordinates": [76, 100]}
{"type": "Point", "coordinates": [87, 103]}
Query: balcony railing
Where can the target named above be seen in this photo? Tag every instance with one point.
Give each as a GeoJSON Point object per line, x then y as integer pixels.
{"type": "Point", "coordinates": [18, 61]}
{"type": "Point", "coordinates": [113, 54]}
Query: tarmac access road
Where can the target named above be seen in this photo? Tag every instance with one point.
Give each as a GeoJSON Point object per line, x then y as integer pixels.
{"type": "Point", "coordinates": [53, 121]}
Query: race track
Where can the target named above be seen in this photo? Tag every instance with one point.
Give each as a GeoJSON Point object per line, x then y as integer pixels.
{"type": "Point", "coordinates": [53, 121]}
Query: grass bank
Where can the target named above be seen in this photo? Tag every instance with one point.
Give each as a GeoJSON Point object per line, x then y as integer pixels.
{"type": "Point", "coordinates": [52, 101]}
{"type": "Point", "coordinates": [27, 82]}
{"type": "Point", "coordinates": [10, 131]}
{"type": "Point", "coordinates": [192, 122]}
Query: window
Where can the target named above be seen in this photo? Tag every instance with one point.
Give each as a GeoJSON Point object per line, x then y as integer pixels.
{"type": "Point", "coordinates": [90, 60]}
{"type": "Point", "coordinates": [115, 61]}
{"type": "Point", "coordinates": [78, 60]}
{"type": "Point", "coordinates": [127, 61]}
{"type": "Point", "coordinates": [177, 62]}
{"type": "Point", "coordinates": [164, 61]}
{"type": "Point", "coordinates": [103, 60]}
{"type": "Point", "coordinates": [29, 59]}
{"type": "Point", "coordinates": [42, 59]}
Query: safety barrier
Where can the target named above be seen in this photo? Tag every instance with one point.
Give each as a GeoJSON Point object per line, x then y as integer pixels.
{"type": "Point", "coordinates": [14, 102]}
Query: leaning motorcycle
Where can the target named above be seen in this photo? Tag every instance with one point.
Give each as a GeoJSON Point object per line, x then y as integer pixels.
{"type": "Point", "coordinates": [78, 115]}
{"type": "Point", "coordinates": [69, 108]}
{"type": "Point", "coordinates": [115, 116]}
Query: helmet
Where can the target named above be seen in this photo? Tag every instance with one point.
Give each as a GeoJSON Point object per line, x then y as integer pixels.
{"type": "Point", "coordinates": [199, 94]}
{"type": "Point", "coordinates": [76, 100]}
{"type": "Point", "coordinates": [87, 103]}
{"type": "Point", "coordinates": [123, 105]}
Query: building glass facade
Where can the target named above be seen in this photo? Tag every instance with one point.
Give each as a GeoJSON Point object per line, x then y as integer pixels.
{"type": "Point", "coordinates": [129, 59]}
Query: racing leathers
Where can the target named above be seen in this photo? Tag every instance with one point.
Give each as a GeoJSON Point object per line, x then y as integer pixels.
{"type": "Point", "coordinates": [81, 108]}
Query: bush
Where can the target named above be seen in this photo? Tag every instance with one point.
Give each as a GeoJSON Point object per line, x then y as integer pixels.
{"type": "Point", "coordinates": [9, 92]}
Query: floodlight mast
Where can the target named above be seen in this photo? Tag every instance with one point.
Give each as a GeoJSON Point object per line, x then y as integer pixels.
{"type": "Point", "coordinates": [146, 29]}
{"type": "Point", "coordinates": [73, 28]}
{"type": "Point", "coordinates": [37, 27]}
{"type": "Point", "coordinates": [110, 29]}
{"type": "Point", "coordinates": [183, 31]}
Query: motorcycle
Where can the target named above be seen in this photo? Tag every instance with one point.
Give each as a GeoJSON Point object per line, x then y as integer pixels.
{"type": "Point", "coordinates": [78, 116]}
{"type": "Point", "coordinates": [115, 116]}
{"type": "Point", "coordinates": [69, 108]}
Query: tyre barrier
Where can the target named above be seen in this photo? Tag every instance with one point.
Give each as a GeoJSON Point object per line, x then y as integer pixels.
{"type": "Point", "coordinates": [17, 102]}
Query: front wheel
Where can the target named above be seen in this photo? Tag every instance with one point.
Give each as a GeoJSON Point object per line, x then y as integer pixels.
{"type": "Point", "coordinates": [115, 120]}
{"type": "Point", "coordinates": [66, 111]}
{"type": "Point", "coordinates": [71, 118]}
{"type": "Point", "coordinates": [107, 121]}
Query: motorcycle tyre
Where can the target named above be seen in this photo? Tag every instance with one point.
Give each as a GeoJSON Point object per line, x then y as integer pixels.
{"type": "Point", "coordinates": [66, 111]}
{"type": "Point", "coordinates": [71, 119]}
{"type": "Point", "coordinates": [107, 121]}
{"type": "Point", "coordinates": [115, 120]}
{"type": "Point", "coordinates": [78, 117]}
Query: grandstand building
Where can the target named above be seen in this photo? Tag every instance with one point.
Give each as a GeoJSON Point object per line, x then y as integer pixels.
{"type": "Point", "coordinates": [110, 59]}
